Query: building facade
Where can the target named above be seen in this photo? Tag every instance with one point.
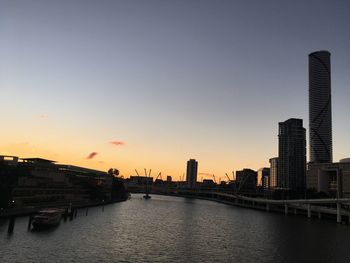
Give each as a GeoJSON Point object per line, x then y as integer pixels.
{"type": "Point", "coordinates": [246, 180]}
{"type": "Point", "coordinates": [31, 182]}
{"type": "Point", "coordinates": [320, 107]}
{"type": "Point", "coordinates": [292, 155]}
{"type": "Point", "coordinates": [330, 178]}
{"type": "Point", "coordinates": [273, 173]}
{"type": "Point", "coordinates": [264, 178]}
{"type": "Point", "coordinates": [191, 173]}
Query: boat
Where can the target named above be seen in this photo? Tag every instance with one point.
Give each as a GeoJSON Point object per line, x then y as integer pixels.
{"type": "Point", "coordinates": [147, 196]}
{"type": "Point", "coordinates": [47, 218]}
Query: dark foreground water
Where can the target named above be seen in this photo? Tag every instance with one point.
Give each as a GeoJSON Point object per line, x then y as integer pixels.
{"type": "Point", "coordinates": [173, 229]}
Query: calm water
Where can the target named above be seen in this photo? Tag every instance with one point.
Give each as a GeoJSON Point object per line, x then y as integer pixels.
{"type": "Point", "coordinates": [173, 229]}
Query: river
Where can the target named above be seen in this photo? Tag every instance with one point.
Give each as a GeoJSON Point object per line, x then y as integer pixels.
{"type": "Point", "coordinates": [175, 229]}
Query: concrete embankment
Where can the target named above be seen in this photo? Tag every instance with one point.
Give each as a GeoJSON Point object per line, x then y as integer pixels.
{"type": "Point", "coordinates": [308, 208]}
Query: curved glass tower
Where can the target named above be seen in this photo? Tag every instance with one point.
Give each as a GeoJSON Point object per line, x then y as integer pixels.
{"type": "Point", "coordinates": [320, 107]}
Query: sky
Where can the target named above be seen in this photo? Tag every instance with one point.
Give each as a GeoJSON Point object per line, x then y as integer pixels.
{"type": "Point", "coordinates": [150, 84]}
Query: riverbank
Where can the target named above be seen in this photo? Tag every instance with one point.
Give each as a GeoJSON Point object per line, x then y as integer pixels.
{"type": "Point", "coordinates": [25, 211]}
{"type": "Point", "coordinates": [305, 208]}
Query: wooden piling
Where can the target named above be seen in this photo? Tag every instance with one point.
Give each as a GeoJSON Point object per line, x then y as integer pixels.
{"type": "Point", "coordinates": [65, 214]}
{"type": "Point", "coordinates": [30, 222]}
{"type": "Point", "coordinates": [11, 224]}
{"type": "Point", "coordinates": [71, 214]}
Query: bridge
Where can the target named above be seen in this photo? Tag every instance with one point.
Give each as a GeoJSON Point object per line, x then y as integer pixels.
{"type": "Point", "coordinates": [329, 207]}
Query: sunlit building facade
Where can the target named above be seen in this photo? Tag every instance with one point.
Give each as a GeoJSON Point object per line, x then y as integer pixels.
{"type": "Point", "coordinates": [264, 178]}
{"type": "Point", "coordinates": [273, 173]}
{"type": "Point", "coordinates": [330, 178]}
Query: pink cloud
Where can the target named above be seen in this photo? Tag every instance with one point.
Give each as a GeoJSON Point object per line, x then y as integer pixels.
{"type": "Point", "coordinates": [91, 155]}
{"type": "Point", "coordinates": [117, 143]}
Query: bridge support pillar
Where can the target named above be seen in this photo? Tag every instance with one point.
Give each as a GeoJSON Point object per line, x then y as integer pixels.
{"type": "Point", "coordinates": [295, 211]}
{"type": "Point", "coordinates": [267, 207]}
{"type": "Point", "coordinates": [338, 213]}
{"type": "Point", "coordinates": [286, 209]}
{"type": "Point", "coordinates": [319, 215]}
{"type": "Point", "coordinates": [308, 210]}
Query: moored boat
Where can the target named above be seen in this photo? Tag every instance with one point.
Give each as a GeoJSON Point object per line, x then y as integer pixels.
{"type": "Point", "coordinates": [147, 196]}
{"type": "Point", "coordinates": [47, 217]}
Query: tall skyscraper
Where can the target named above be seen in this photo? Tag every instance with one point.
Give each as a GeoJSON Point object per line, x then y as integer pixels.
{"type": "Point", "coordinates": [292, 154]}
{"type": "Point", "coordinates": [320, 107]}
{"type": "Point", "coordinates": [191, 173]}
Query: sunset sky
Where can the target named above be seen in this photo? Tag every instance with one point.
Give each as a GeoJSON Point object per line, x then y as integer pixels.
{"type": "Point", "coordinates": [151, 84]}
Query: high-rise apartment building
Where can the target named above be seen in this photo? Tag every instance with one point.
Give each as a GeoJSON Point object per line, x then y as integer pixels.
{"type": "Point", "coordinates": [292, 154]}
{"type": "Point", "coordinates": [191, 173]}
{"type": "Point", "coordinates": [264, 178]}
{"type": "Point", "coordinates": [320, 107]}
{"type": "Point", "coordinates": [273, 172]}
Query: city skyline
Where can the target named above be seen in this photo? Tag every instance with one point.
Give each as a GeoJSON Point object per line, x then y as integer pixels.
{"type": "Point", "coordinates": [149, 90]}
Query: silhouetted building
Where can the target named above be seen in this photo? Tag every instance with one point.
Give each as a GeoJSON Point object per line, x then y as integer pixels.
{"type": "Point", "coordinates": [140, 180]}
{"type": "Point", "coordinates": [169, 179]}
{"type": "Point", "coordinates": [263, 178]}
{"type": "Point", "coordinates": [208, 183]}
{"type": "Point", "coordinates": [273, 173]}
{"type": "Point", "coordinates": [29, 182]}
{"type": "Point", "coordinates": [246, 180]}
{"type": "Point", "coordinates": [191, 173]}
{"type": "Point", "coordinates": [320, 107]}
{"type": "Point", "coordinates": [292, 155]}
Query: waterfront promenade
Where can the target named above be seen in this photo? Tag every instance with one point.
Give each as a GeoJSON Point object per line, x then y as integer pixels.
{"type": "Point", "coordinates": [332, 208]}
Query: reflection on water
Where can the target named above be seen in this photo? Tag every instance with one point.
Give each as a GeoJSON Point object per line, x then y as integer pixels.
{"type": "Point", "coordinates": [172, 229]}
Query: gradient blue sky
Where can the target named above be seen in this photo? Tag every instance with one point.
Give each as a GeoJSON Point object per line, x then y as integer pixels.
{"type": "Point", "coordinates": [172, 79]}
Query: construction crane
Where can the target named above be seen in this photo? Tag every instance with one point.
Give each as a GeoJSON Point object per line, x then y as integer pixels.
{"type": "Point", "coordinates": [208, 174]}
{"type": "Point", "coordinates": [159, 176]}
{"type": "Point", "coordinates": [229, 180]}
{"type": "Point", "coordinates": [228, 177]}
{"type": "Point", "coordinates": [137, 173]}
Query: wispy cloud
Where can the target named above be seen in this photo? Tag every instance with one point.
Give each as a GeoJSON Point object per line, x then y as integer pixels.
{"type": "Point", "coordinates": [117, 143]}
{"type": "Point", "coordinates": [91, 155]}
{"type": "Point", "coordinates": [44, 116]}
